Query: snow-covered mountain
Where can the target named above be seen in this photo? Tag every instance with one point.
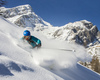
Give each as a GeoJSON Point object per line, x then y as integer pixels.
{"type": "Point", "coordinates": [56, 60]}
{"type": "Point", "coordinates": [22, 16]}
{"type": "Point", "coordinates": [82, 32]}
{"type": "Point", "coordinates": [19, 62]}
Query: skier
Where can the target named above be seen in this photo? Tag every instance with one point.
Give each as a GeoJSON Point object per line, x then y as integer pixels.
{"type": "Point", "coordinates": [33, 41]}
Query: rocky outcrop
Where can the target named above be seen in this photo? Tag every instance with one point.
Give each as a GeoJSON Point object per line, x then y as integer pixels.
{"type": "Point", "coordinates": [22, 16]}
{"type": "Point", "coordinates": [82, 32]}
{"type": "Point", "coordinates": [98, 35]}
{"type": "Point", "coordinates": [11, 12]}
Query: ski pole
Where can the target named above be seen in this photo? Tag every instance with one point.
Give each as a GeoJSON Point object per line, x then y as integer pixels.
{"type": "Point", "coordinates": [60, 49]}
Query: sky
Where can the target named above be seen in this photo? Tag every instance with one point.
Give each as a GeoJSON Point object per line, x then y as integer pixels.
{"type": "Point", "coordinates": [61, 12]}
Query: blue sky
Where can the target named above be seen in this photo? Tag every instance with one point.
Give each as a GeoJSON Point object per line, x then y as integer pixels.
{"type": "Point", "coordinates": [61, 12]}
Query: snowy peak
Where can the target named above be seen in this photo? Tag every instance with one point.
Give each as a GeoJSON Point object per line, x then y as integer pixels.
{"type": "Point", "coordinates": [82, 32]}
{"type": "Point", "coordinates": [19, 10]}
{"type": "Point", "coordinates": [87, 24]}
{"type": "Point", "coordinates": [83, 24]}
{"type": "Point", "coordinates": [22, 16]}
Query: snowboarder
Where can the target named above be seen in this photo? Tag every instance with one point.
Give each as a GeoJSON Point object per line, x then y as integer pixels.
{"type": "Point", "coordinates": [33, 41]}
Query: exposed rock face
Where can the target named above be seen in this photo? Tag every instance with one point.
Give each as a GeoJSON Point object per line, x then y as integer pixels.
{"type": "Point", "coordinates": [82, 32]}
{"type": "Point", "coordinates": [98, 34]}
{"type": "Point", "coordinates": [11, 12]}
{"type": "Point", "coordinates": [22, 16]}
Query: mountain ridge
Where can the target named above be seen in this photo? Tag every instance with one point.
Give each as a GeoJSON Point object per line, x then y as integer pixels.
{"type": "Point", "coordinates": [21, 14]}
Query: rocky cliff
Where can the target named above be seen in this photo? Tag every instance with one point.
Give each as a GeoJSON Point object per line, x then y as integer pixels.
{"type": "Point", "coordinates": [22, 16]}
{"type": "Point", "coordinates": [82, 32]}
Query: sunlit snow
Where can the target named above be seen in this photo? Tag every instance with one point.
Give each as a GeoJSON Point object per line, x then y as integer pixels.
{"type": "Point", "coordinates": [18, 61]}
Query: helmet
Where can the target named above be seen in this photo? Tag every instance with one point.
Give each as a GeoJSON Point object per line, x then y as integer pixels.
{"type": "Point", "coordinates": [26, 33]}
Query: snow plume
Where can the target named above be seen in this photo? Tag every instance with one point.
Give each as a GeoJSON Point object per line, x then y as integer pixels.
{"type": "Point", "coordinates": [56, 54]}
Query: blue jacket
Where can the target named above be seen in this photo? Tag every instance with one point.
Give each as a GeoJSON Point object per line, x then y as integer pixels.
{"type": "Point", "coordinates": [34, 42]}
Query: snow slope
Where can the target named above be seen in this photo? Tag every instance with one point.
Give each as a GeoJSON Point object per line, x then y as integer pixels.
{"type": "Point", "coordinates": [19, 62]}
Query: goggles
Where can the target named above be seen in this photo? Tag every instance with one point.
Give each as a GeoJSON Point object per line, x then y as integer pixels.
{"type": "Point", "coordinates": [27, 37]}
